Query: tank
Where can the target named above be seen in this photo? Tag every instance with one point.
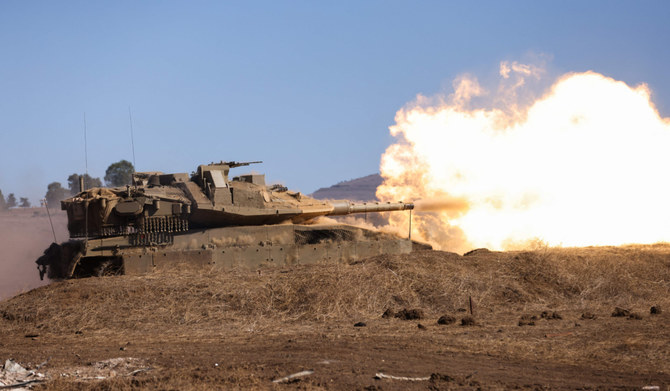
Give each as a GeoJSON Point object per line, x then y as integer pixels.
{"type": "Point", "coordinates": [206, 219]}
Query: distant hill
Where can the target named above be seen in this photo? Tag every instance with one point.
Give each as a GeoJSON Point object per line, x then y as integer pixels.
{"type": "Point", "coordinates": [359, 189]}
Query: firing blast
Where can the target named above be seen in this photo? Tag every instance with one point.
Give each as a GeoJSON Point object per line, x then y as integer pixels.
{"type": "Point", "coordinates": [560, 167]}
{"type": "Point", "coordinates": [450, 206]}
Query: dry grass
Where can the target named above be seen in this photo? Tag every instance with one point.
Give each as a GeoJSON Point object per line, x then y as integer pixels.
{"type": "Point", "coordinates": [193, 380]}
{"type": "Point", "coordinates": [305, 301]}
{"type": "Point", "coordinates": [597, 278]}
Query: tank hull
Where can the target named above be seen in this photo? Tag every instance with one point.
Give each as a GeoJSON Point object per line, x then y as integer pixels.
{"type": "Point", "coordinates": [221, 249]}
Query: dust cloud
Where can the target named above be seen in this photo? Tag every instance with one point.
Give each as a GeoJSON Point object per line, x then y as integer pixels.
{"type": "Point", "coordinates": [24, 235]}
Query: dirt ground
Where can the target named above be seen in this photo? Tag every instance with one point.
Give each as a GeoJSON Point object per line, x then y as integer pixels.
{"type": "Point", "coordinates": [541, 319]}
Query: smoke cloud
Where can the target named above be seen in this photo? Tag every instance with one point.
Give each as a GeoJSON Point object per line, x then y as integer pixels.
{"type": "Point", "coordinates": [579, 163]}
{"type": "Point", "coordinates": [447, 205]}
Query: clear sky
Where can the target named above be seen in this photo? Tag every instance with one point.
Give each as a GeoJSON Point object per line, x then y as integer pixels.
{"type": "Point", "coordinates": [309, 87]}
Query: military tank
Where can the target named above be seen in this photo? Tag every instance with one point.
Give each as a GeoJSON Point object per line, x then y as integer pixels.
{"type": "Point", "coordinates": [207, 220]}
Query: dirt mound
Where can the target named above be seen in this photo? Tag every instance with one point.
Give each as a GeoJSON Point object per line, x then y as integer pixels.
{"type": "Point", "coordinates": [550, 315]}
{"type": "Point", "coordinates": [408, 314]}
{"type": "Point", "coordinates": [243, 329]}
{"type": "Point", "coordinates": [477, 251]}
{"type": "Point", "coordinates": [527, 320]}
{"type": "Point", "coordinates": [468, 321]}
{"type": "Point", "coordinates": [446, 319]}
{"type": "Point", "coordinates": [430, 283]}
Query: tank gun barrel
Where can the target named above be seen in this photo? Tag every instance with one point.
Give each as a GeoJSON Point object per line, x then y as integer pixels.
{"type": "Point", "coordinates": [346, 207]}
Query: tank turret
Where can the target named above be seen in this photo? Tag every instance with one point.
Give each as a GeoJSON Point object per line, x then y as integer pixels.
{"type": "Point", "coordinates": [160, 202]}
{"type": "Point", "coordinates": [158, 207]}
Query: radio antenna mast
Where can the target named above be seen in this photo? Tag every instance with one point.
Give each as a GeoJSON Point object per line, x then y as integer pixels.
{"type": "Point", "coordinates": [53, 231]}
{"type": "Point", "coordinates": [132, 139]}
{"type": "Point", "coordinates": [85, 145]}
{"type": "Point", "coordinates": [86, 204]}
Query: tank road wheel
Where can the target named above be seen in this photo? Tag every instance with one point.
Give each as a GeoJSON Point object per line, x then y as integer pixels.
{"type": "Point", "coordinates": [99, 267]}
{"type": "Point", "coordinates": [107, 268]}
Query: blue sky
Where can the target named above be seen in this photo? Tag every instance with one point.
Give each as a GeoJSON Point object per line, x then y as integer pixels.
{"type": "Point", "coordinates": [309, 87]}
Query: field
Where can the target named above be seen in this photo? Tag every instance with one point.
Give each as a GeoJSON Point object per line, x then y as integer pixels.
{"type": "Point", "coordinates": [541, 319]}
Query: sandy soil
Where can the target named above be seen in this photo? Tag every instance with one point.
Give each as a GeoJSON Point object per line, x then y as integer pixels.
{"type": "Point", "coordinates": [542, 320]}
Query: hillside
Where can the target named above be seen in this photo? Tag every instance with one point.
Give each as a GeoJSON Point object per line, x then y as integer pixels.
{"type": "Point", "coordinates": [359, 189]}
{"type": "Point", "coordinates": [541, 320]}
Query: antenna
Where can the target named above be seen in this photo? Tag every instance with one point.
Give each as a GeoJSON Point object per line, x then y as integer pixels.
{"type": "Point", "coordinates": [132, 139]}
{"type": "Point", "coordinates": [85, 145]}
{"type": "Point", "coordinates": [86, 203]}
{"type": "Point", "coordinates": [44, 201]}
